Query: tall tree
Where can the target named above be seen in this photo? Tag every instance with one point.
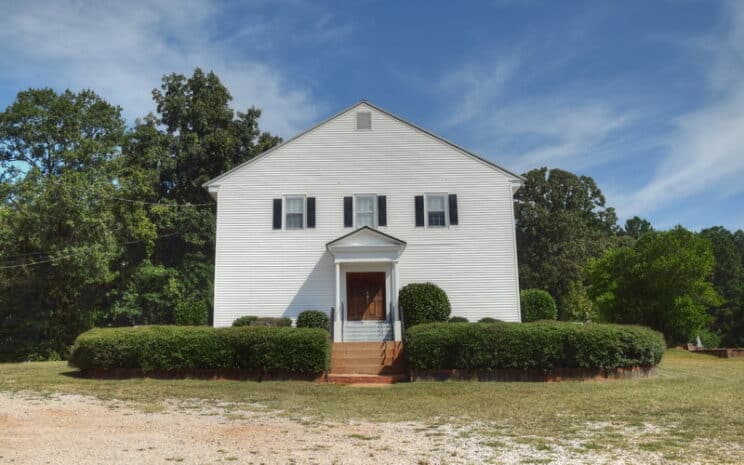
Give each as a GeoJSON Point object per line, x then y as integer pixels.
{"type": "Point", "coordinates": [662, 281]}
{"type": "Point", "coordinates": [60, 236]}
{"type": "Point", "coordinates": [561, 222]}
{"type": "Point", "coordinates": [728, 279]}
{"type": "Point", "coordinates": [194, 136]}
{"type": "Point", "coordinates": [636, 227]}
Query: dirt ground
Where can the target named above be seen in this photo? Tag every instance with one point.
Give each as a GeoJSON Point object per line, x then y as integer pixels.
{"type": "Point", "coordinates": [71, 429]}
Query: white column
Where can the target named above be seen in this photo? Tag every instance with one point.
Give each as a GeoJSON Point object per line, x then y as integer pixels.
{"type": "Point", "coordinates": [397, 327]}
{"type": "Point", "coordinates": [337, 325]}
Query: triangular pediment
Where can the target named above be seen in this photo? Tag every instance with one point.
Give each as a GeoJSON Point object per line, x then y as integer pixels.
{"type": "Point", "coordinates": [365, 237]}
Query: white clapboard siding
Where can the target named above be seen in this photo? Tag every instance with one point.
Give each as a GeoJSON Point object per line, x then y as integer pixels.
{"type": "Point", "coordinates": [266, 272]}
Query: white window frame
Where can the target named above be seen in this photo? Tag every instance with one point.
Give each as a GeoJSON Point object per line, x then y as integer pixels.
{"type": "Point", "coordinates": [375, 217]}
{"type": "Point", "coordinates": [285, 212]}
{"type": "Point", "coordinates": [445, 196]}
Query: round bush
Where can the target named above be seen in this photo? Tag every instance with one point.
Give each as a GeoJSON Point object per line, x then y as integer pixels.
{"type": "Point", "coordinates": [312, 319]}
{"type": "Point", "coordinates": [458, 319]}
{"type": "Point", "coordinates": [537, 305]}
{"type": "Point", "coordinates": [488, 319]}
{"type": "Point", "coordinates": [423, 303]}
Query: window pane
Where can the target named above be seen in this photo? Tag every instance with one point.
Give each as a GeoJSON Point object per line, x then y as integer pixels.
{"type": "Point", "coordinates": [436, 219]}
{"type": "Point", "coordinates": [365, 219]}
{"type": "Point", "coordinates": [435, 203]}
{"type": "Point", "coordinates": [365, 211]}
{"type": "Point", "coordinates": [295, 205]}
{"type": "Point", "coordinates": [294, 221]}
{"type": "Point", "coordinates": [366, 204]}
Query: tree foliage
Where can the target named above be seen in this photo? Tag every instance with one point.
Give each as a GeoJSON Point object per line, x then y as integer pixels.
{"type": "Point", "coordinates": [561, 222]}
{"type": "Point", "coordinates": [61, 235]}
{"type": "Point", "coordinates": [636, 227]}
{"type": "Point", "coordinates": [662, 282]}
{"type": "Point", "coordinates": [100, 224]}
{"type": "Point", "coordinates": [728, 279]}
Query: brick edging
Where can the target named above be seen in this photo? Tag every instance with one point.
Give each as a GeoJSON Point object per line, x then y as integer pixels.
{"type": "Point", "coordinates": [201, 373]}
{"type": "Point", "coordinates": [533, 375]}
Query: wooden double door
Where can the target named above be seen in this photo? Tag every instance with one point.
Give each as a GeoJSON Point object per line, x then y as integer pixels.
{"type": "Point", "coordinates": [365, 296]}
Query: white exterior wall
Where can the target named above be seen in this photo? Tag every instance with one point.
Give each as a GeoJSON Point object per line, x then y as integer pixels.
{"type": "Point", "coordinates": [265, 272]}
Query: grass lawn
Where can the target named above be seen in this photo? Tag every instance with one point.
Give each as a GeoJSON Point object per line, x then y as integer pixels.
{"type": "Point", "coordinates": [692, 408]}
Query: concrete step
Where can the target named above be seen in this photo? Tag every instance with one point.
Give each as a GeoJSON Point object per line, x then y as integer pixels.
{"type": "Point", "coordinates": [359, 331]}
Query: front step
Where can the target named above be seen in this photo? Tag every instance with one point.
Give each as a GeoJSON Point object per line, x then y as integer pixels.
{"type": "Point", "coordinates": [367, 330]}
{"type": "Point", "coordinates": [367, 358]}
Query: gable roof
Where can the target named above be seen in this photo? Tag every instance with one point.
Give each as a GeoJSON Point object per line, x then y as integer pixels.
{"type": "Point", "coordinates": [515, 177]}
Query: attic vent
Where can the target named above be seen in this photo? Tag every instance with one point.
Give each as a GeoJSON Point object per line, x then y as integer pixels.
{"type": "Point", "coordinates": [364, 120]}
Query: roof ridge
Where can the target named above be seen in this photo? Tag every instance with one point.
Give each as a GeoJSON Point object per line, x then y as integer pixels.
{"type": "Point", "coordinates": [489, 163]}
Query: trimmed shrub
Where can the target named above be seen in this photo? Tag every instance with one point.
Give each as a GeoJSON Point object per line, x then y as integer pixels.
{"type": "Point", "coordinates": [313, 319]}
{"type": "Point", "coordinates": [543, 345]}
{"type": "Point", "coordinates": [263, 321]}
{"type": "Point", "coordinates": [537, 305]}
{"type": "Point", "coordinates": [458, 319]}
{"type": "Point", "coordinates": [281, 322]}
{"type": "Point", "coordinates": [488, 319]}
{"type": "Point", "coordinates": [423, 303]}
{"type": "Point", "coordinates": [149, 348]}
{"type": "Point", "coordinates": [244, 320]}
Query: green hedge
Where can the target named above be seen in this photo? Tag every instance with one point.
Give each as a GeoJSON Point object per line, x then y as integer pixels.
{"type": "Point", "coordinates": [191, 347]}
{"type": "Point", "coordinates": [541, 345]}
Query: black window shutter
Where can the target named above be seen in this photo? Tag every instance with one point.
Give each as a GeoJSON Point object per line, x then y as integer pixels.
{"type": "Point", "coordinates": [348, 212]}
{"type": "Point", "coordinates": [453, 208]}
{"type": "Point", "coordinates": [311, 212]}
{"type": "Point", "coordinates": [419, 210]}
{"type": "Point", "coordinates": [277, 213]}
{"type": "Point", "coordinates": [381, 210]}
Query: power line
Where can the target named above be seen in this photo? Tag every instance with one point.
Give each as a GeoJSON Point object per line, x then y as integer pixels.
{"type": "Point", "coordinates": [62, 257]}
{"type": "Point", "coordinates": [160, 203]}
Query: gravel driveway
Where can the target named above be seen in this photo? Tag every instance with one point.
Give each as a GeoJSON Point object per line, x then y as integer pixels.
{"type": "Point", "coordinates": [70, 429]}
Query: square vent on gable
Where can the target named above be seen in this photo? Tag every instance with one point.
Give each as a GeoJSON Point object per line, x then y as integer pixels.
{"type": "Point", "coordinates": [364, 120]}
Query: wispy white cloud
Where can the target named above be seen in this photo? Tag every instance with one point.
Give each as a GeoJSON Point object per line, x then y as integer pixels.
{"type": "Point", "coordinates": [121, 49]}
{"type": "Point", "coordinates": [551, 128]}
{"type": "Point", "coordinates": [705, 151]}
{"type": "Point", "coordinates": [476, 86]}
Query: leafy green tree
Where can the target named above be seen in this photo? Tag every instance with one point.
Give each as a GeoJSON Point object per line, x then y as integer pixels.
{"type": "Point", "coordinates": [60, 234]}
{"type": "Point", "coordinates": [662, 281]}
{"type": "Point", "coordinates": [561, 222]}
{"type": "Point", "coordinates": [728, 279]}
{"type": "Point", "coordinates": [194, 137]}
{"type": "Point", "coordinates": [636, 227]}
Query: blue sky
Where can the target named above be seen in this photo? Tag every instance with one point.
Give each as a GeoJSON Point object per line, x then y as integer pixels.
{"type": "Point", "coordinates": [646, 97]}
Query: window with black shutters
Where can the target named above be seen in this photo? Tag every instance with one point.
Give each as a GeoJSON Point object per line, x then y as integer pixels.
{"type": "Point", "coordinates": [294, 216]}
{"type": "Point", "coordinates": [436, 210]}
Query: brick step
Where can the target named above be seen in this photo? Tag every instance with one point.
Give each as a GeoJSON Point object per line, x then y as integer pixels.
{"type": "Point", "coordinates": [365, 364]}
{"type": "Point", "coordinates": [387, 354]}
{"type": "Point", "coordinates": [380, 345]}
{"type": "Point", "coordinates": [365, 379]}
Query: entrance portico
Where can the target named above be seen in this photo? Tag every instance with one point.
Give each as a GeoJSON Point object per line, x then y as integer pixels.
{"type": "Point", "coordinates": [366, 285]}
